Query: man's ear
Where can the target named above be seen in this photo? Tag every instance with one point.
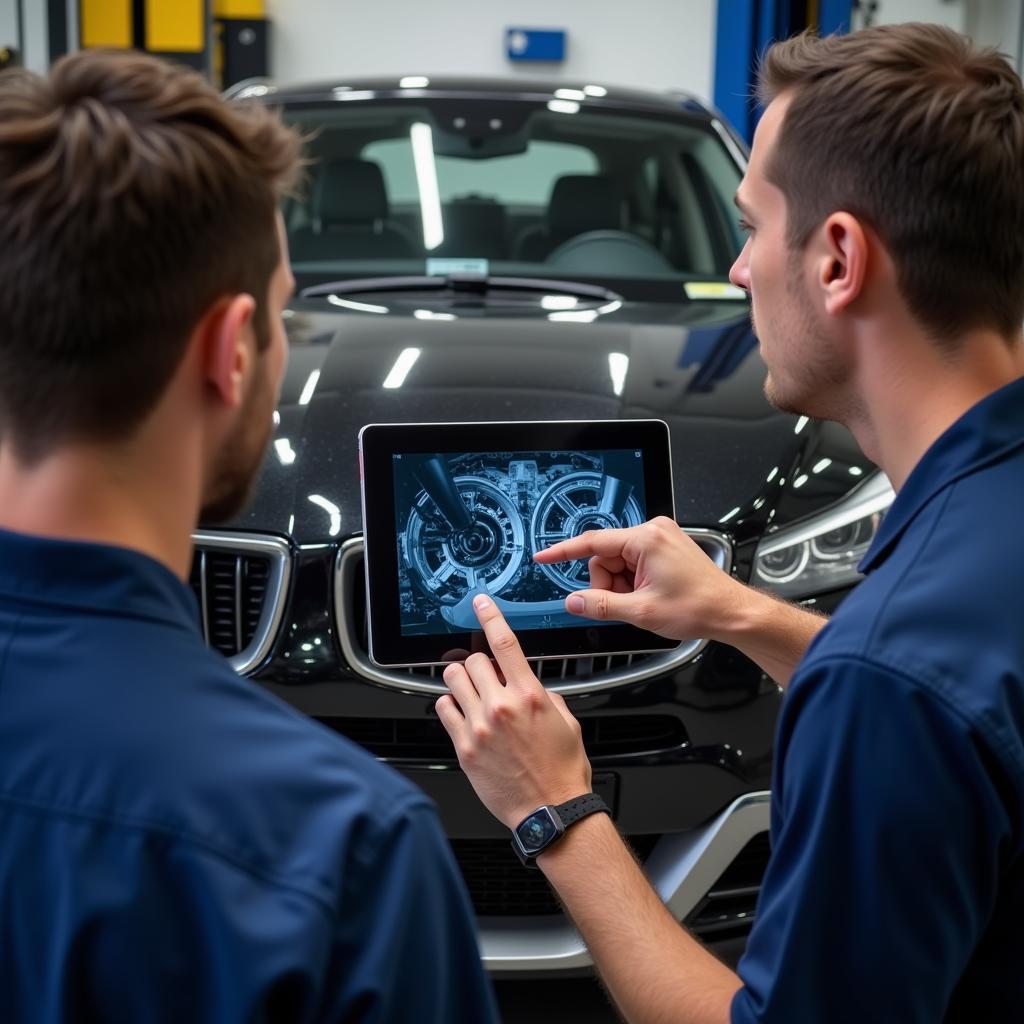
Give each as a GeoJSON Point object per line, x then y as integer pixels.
{"type": "Point", "coordinates": [842, 261]}
{"type": "Point", "coordinates": [226, 346]}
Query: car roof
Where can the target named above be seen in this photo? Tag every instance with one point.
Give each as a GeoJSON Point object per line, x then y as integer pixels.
{"type": "Point", "coordinates": [450, 86]}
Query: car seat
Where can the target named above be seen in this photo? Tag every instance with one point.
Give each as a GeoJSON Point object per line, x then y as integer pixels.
{"type": "Point", "coordinates": [578, 203]}
{"type": "Point", "coordinates": [350, 213]}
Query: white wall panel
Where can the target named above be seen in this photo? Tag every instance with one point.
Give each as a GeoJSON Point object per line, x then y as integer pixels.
{"type": "Point", "coordinates": [9, 23]}
{"type": "Point", "coordinates": [649, 43]}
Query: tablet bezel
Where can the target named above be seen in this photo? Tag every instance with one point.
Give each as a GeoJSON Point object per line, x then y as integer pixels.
{"type": "Point", "coordinates": [378, 442]}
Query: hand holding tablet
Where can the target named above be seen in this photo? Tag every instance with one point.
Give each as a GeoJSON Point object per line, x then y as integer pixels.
{"type": "Point", "coordinates": [451, 511]}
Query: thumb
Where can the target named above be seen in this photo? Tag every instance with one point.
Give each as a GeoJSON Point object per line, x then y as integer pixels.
{"type": "Point", "coordinates": [603, 604]}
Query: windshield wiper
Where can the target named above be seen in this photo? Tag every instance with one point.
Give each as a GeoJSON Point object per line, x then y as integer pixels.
{"type": "Point", "coordinates": [465, 284]}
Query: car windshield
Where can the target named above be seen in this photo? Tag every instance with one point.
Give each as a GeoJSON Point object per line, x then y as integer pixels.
{"type": "Point", "coordinates": [552, 190]}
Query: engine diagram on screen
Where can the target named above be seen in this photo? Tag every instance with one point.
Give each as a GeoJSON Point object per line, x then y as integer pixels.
{"type": "Point", "coordinates": [470, 523]}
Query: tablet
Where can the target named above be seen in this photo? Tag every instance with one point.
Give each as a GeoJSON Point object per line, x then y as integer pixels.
{"type": "Point", "coordinates": [452, 510]}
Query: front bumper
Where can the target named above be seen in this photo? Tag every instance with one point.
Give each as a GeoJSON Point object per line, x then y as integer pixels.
{"type": "Point", "coordinates": [683, 867]}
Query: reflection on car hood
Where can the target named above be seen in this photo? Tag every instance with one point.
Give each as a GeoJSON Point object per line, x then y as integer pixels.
{"type": "Point", "coordinates": [696, 367]}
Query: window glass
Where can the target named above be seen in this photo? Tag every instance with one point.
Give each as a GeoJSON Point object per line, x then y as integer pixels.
{"type": "Point", "coordinates": [652, 199]}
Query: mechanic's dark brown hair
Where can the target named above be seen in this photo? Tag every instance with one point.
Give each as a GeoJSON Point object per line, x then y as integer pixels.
{"type": "Point", "coordinates": [132, 197]}
{"type": "Point", "coordinates": [920, 134]}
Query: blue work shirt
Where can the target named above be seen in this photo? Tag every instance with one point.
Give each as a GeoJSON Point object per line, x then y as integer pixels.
{"type": "Point", "coordinates": [176, 844]}
{"type": "Point", "coordinates": [895, 889]}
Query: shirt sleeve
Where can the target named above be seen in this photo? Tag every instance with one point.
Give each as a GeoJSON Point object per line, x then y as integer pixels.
{"type": "Point", "coordinates": [406, 948]}
{"type": "Point", "coordinates": [886, 853]}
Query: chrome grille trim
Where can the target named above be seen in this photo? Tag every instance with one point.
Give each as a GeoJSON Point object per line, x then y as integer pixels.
{"type": "Point", "coordinates": [203, 605]}
{"type": "Point", "coordinates": [279, 555]}
{"type": "Point", "coordinates": [682, 867]}
{"type": "Point", "coordinates": [427, 679]}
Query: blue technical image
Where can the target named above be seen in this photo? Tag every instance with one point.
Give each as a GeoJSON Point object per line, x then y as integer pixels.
{"type": "Point", "coordinates": [469, 523]}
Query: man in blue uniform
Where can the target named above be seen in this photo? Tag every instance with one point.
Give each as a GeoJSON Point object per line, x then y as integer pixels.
{"type": "Point", "coordinates": [177, 845]}
{"type": "Point", "coordinates": [885, 264]}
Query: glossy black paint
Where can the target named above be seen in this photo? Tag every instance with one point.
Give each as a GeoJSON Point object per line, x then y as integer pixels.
{"type": "Point", "coordinates": [726, 440]}
{"type": "Point", "coordinates": [693, 364]}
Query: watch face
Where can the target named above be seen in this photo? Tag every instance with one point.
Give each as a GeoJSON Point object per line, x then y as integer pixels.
{"type": "Point", "coordinates": [536, 831]}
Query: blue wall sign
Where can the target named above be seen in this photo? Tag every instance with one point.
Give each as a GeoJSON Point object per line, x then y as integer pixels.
{"type": "Point", "coordinates": [535, 44]}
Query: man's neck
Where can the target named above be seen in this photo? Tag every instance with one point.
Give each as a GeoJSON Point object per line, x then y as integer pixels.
{"type": "Point", "coordinates": [103, 495]}
{"type": "Point", "coordinates": [910, 401]}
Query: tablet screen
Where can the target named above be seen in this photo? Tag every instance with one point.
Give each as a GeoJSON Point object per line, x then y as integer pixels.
{"type": "Point", "coordinates": [452, 510]}
{"type": "Point", "coordinates": [469, 523]}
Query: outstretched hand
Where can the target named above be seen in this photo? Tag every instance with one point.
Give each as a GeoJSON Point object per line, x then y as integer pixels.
{"type": "Point", "coordinates": [653, 576]}
{"type": "Point", "coordinates": [519, 745]}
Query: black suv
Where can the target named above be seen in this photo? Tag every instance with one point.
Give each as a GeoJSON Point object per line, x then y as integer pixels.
{"type": "Point", "coordinates": [489, 250]}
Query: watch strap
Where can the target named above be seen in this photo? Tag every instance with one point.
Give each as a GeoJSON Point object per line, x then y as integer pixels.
{"type": "Point", "coordinates": [579, 807]}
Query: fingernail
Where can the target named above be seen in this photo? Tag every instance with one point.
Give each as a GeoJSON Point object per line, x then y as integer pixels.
{"type": "Point", "coordinates": [575, 603]}
{"type": "Point", "coordinates": [480, 602]}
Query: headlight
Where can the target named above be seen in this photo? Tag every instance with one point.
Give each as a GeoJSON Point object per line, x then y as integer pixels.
{"type": "Point", "coordinates": [822, 553]}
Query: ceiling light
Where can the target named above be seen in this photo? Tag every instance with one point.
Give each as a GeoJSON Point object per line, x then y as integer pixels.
{"type": "Point", "coordinates": [403, 364]}
{"type": "Point", "coordinates": [359, 307]}
{"type": "Point", "coordinates": [618, 367]}
{"type": "Point", "coordinates": [422, 139]}
{"type": "Point", "coordinates": [309, 388]}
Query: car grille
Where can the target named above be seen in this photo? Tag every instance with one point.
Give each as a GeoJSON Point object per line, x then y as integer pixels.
{"type": "Point", "coordinates": [498, 885]}
{"type": "Point", "coordinates": [240, 582]}
{"type": "Point", "coordinates": [565, 675]}
{"type": "Point", "coordinates": [426, 739]}
{"type": "Point", "coordinates": [728, 909]}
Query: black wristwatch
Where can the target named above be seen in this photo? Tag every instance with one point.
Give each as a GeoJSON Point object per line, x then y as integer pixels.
{"type": "Point", "coordinates": [546, 825]}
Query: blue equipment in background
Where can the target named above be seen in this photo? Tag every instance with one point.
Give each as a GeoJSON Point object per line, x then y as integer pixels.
{"type": "Point", "coordinates": [535, 44]}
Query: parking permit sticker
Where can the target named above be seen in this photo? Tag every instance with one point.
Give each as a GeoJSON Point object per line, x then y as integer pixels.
{"type": "Point", "coordinates": [713, 290]}
{"type": "Point", "coordinates": [443, 267]}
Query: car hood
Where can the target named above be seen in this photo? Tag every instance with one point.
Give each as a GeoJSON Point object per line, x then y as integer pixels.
{"type": "Point", "coordinates": [696, 367]}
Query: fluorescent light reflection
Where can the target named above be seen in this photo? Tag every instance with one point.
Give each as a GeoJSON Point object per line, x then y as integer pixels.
{"type": "Point", "coordinates": [422, 139]}
{"type": "Point", "coordinates": [801, 423]}
{"type": "Point", "coordinates": [729, 515]}
{"type": "Point", "coordinates": [429, 314]}
{"type": "Point", "coordinates": [595, 90]}
{"type": "Point", "coordinates": [570, 94]}
{"type": "Point", "coordinates": [609, 307]}
{"type": "Point", "coordinates": [821, 465]}
{"type": "Point", "coordinates": [580, 316]}
{"type": "Point", "coordinates": [414, 82]}
{"type": "Point", "coordinates": [856, 471]}
{"type": "Point", "coordinates": [309, 388]}
{"type": "Point", "coordinates": [800, 480]}
{"type": "Point", "coordinates": [346, 92]}
{"type": "Point", "coordinates": [359, 307]}
{"type": "Point", "coordinates": [285, 451]}
{"type": "Point", "coordinates": [276, 418]}
{"type": "Point", "coordinates": [563, 107]}
{"type": "Point", "coordinates": [332, 510]}
{"type": "Point", "coordinates": [403, 364]}
{"type": "Point", "coordinates": [557, 302]}
{"type": "Point", "coordinates": [773, 474]}
{"type": "Point", "coordinates": [618, 367]}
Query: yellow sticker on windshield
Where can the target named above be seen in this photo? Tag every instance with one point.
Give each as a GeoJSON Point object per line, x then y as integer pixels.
{"type": "Point", "coordinates": [713, 290]}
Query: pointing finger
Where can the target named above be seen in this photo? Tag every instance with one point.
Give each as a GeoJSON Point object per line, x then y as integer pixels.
{"type": "Point", "coordinates": [503, 644]}
{"type": "Point", "coordinates": [605, 543]}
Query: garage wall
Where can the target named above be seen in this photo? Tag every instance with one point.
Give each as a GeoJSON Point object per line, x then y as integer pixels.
{"type": "Point", "coordinates": [990, 22]}
{"type": "Point", "coordinates": [651, 43]}
{"type": "Point", "coordinates": [9, 23]}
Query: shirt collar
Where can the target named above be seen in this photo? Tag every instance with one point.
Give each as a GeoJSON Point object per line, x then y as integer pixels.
{"type": "Point", "coordinates": [985, 433]}
{"type": "Point", "coordinates": [94, 577]}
